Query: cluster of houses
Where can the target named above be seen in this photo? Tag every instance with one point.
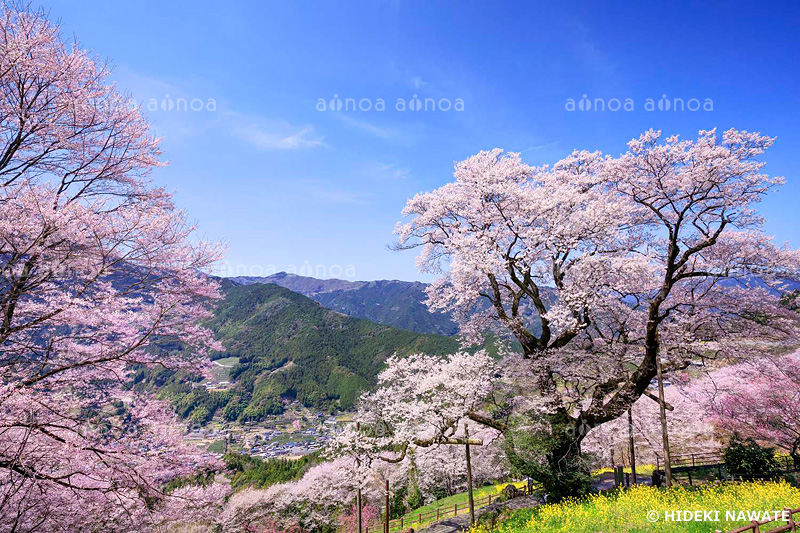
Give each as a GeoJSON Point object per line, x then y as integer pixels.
{"type": "Point", "coordinates": [277, 443]}
{"type": "Point", "coordinates": [286, 437]}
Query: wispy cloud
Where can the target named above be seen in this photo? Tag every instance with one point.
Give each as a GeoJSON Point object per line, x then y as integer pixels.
{"type": "Point", "coordinates": [161, 99]}
{"type": "Point", "coordinates": [326, 192]}
{"type": "Point", "coordinates": [277, 136]}
{"type": "Point", "coordinates": [418, 82]}
{"type": "Point", "coordinates": [368, 127]}
{"type": "Point", "coordinates": [540, 147]}
{"type": "Point", "coordinates": [591, 55]}
{"type": "Point", "coordinates": [387, 171]}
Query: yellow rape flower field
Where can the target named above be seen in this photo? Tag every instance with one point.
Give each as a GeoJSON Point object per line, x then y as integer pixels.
{"type": "Point", "coordinates": [646, 509]}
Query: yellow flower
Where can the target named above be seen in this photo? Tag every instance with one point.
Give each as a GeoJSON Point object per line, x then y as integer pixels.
{"type": "Point", "coordinates": [627, 511]}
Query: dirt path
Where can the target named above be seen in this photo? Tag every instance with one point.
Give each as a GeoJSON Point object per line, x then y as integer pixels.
{"type": "Point", "coordinates": [460, 523]}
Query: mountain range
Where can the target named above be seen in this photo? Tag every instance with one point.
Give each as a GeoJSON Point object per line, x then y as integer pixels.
{"type": "Point", "coordinates": [321, 342]}
{"type": "Point", "coordinates": [400, 304]}
{"type": "Point", "coordinates": [283, 346]}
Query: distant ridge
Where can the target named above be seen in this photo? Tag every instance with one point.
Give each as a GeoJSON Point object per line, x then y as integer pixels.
{"type": "Point", "coordinates": [282, 346]}
{"type": "Point", "coordinates": [395, 303]}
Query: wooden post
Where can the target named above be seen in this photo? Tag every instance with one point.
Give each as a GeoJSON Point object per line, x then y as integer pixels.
{"type": "Point", "coordinates": [664, 435]}
{"type": "Point", "coordinates": [469, 478]}
{"type": "Point", "coordinates": [455, 509]}
{"type": "Point", "coordinates": [790, 519]}
{"type": "Point", "coordinates": [631, 445]}
{"type": "Point", "coordinates": [358, 493]}
{"type": "Point", "coordinates": [358, 508]}
{"type": "Point", "coordinates": [756, 527]}
{"type": "Point", "coordinates": [386, 521]}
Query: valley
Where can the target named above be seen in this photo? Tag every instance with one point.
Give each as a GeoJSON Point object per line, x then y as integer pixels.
{"type": "Point", "coordinates": [290, 371]}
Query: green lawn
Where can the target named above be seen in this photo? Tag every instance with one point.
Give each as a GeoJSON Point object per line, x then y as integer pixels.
{"type": "Point", "coordinates": [222, 373]}
{"type": "Point", "coordinates": [218, 446]}
{"type": "Point", "coordinates": [461, 499]}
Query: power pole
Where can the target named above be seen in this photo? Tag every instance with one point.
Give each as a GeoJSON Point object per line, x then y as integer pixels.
{"type": "Point", "coordinates": [664, 435]}
{"type": "Point", "coordinates": [631, 444]}
{"type": "Point", "coordinates": [469, 478]}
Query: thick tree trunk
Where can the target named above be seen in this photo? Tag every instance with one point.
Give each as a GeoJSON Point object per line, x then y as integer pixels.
{"type": "Point", "coordinates": [569, 473]}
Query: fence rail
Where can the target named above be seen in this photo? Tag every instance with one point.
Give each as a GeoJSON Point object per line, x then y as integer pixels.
{"type": "Point", "coordinates": [695, 467]}
{"type": "Point", "coordinates": [419, 520]}
{"type": "Point", "coordinates": [755, 526]}
{"type": "Point", "coordinates": [692, 459]}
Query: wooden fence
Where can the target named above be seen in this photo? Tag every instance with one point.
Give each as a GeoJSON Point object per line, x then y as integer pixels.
{"type": "Point", "coordinates": [686, 465]}
{"type": "Point", "coordinates": [755, 526]}
{"type": "Point", "coordinates": [693, 460]}
{"type": "Point", "coordinates": [419, 520]}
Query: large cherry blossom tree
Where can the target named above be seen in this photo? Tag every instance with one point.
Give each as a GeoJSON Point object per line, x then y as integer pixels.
{"type": "Point", "coordinates": [98, 272]}
{"type": "Point", "coordinates": [598, 266]}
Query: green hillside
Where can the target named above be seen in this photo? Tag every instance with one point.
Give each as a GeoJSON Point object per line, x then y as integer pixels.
{"type": "Point", "coordinates": [290, 347]}
{"type": "Point", "coordinates": [396, 303]}
{"type": "Point", "coordinates": [399, 304]}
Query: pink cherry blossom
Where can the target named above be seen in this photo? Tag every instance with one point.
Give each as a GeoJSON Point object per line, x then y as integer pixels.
{"type": "Point", "coordinates": [100, 273]}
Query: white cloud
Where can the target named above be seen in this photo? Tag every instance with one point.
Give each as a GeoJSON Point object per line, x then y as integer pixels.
{"type": "Point", "coordinates": [324, 192]}
{"type": "Point", "coordinates": [540, 147]}
{"type": "Point", "coordinates": [277, 136]}
{"type": "Point", "coordinates": [376, 131]}
{"type": "Point", "coordinates": [388, 171]}
{"type": "Point", "coordinates": [418, 82]}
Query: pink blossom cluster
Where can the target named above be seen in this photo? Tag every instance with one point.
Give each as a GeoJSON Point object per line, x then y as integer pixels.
{"type": "Point", "coordinates": [99, 274]}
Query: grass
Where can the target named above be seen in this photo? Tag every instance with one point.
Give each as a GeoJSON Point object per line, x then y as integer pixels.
{"type": "Point", "coordinates": [461, 499]}
{"type": "Point", "coordinates": [222, 373]}
{"type": "Point", "coordinates": [218, 446]}
{"type": "Point", "coordinates": [627, 511]}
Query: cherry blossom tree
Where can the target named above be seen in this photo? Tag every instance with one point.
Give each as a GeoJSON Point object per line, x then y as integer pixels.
{"type": "Point", "coordinates": [349, 521]}
{"type": "Point", "coordinates": [98, 272]}
{"type": "Point", "coordinates": [410, 429]}
{"type": "Point", "coordinates": [600, 265]}
{"type": "Point", "coordinates": [420, 401]}
{"type": "Point", "coordinates": [313, 501]}
{"type": "Point", "coordinates": [764, 404]}
{"type": "Point", "coordinates": [690, 423]}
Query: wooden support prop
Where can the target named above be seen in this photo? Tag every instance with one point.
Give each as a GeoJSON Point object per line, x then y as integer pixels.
{"type": "Point", "coordinates": [655, 399]}
{"type": "Point", "coordinates": [386, 521]}
{"type": "Point", "coordinates": [663, 415]}
{"type": "Point", "coordinates": [469, 478]}
{"type": "Point", "coordinates": [632, 445]}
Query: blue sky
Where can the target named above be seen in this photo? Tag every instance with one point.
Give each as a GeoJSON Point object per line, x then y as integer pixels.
{"type": "Point", "coordinates": [288, 186]}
